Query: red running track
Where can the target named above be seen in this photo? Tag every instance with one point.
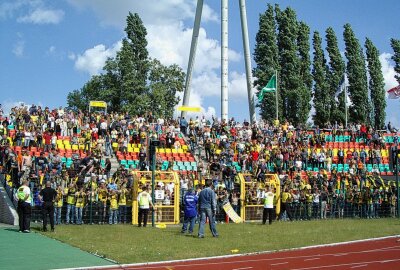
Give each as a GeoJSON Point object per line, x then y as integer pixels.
{"type": "Point", "coordinates": [374, 254]}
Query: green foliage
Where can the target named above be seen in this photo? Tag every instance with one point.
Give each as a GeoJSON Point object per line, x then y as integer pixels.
{"type": "Point", "coordinates": [266, 58]}
{"type": "Point", "coordinates": [304, 96]}
{"type": "Point", "coordinates": [334, 76]}
{"type": "Point", "coordinates": [395, 43]}
{"type": "Point", "coordinates": [322, 97]}
{"type": "Point", "coordinates": [376, 85]}
{"type": "Point", "coordinates": [165, 82]}
{"type": "Point", "coordinates": [359, 111]}
{"type": "Point", "coordinates": [131, 82]}
{"type": "Point", "coordinates": [289, 76]}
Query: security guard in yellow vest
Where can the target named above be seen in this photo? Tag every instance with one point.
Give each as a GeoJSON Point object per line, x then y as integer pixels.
{"type": "Point", "coordinates": [268, 205]}
{"type": "Point", "coordinates": [144, 201]}
{"type": "Point", "coordinates": [71, 199]}
{"type": "Point", "coordinates": [103, 194]}
{"type": "Point", "coordinates": [24, 198]}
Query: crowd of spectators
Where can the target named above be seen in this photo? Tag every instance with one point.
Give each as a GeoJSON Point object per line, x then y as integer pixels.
{"type": "Point", "coordinates": [324, 172]}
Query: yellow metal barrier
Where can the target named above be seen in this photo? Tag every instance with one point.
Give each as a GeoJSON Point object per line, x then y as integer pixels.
{"type": "Point", "coordinates": [250, 195]}
{"type": "Point", "coordinates": [167, 203]}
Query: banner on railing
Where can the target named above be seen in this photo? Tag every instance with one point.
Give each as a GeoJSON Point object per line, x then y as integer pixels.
{"type": "Point", "coordinates": [232, 214]}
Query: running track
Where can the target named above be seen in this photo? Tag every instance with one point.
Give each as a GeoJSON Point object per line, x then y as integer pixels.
{"type": "Point", "coordinates": [376, 254]}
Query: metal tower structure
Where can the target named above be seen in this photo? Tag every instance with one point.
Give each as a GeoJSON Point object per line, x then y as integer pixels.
{"type": "Point", "coordinates": [224, 58]}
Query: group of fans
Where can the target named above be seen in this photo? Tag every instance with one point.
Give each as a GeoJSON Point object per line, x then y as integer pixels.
{"type": "Point", "coordinates": [89, 186]}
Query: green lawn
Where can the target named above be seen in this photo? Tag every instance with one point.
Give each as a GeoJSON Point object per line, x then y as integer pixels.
{"type": "Point", "coordinates": [130, 244]}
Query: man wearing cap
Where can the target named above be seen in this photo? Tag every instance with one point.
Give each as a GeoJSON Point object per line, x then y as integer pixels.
{"type": "Point", "coordinates": [48, 196]}
{"type": "Point", "coordinates": [24, 197]}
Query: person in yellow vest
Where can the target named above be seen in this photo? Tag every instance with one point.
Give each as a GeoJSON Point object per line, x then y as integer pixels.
{"type": "Point", "coordinates": [58, 204]}
{"type": "Point", "coordinates": [309, 201]}
{"type": "Point", "coordinates": [79, 204]}
{"type": "Point", "coordinates": [285, 204]}
{"type": "Point", "coordinates": [144, 201]}
{"type": "Point", "coordinates": [113, 198]}
{"type": "Point", "coordinates": [129, 198]}
{"type": "Point", "coordinates": [24, 197]}
{"type": "Point", "coordinates": [71, 203]}
{"type": "Point", "coordinates": [122, 204]}
{"type": "Point", "coordinates": [268, 205]}
{"type": "Point", "coordinates": [102, 194]}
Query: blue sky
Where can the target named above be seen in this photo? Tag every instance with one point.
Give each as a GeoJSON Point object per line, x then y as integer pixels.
{"type": "Point", "coordinates": [52, 47]}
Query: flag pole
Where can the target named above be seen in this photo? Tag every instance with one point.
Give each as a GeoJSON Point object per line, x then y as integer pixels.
{"type": "Point", "coordinates": [276, 95]}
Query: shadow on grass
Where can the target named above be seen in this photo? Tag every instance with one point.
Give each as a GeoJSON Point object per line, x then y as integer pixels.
{"type": "Point", "coordinates": [16, 230]}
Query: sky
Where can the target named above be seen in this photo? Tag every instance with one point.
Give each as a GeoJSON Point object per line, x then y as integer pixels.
{"type": "Point", "coordinates": [49, 48]}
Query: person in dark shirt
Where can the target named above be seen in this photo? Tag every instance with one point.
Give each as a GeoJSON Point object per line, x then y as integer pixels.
{"type": "Point", "coordinates": [47, 196]}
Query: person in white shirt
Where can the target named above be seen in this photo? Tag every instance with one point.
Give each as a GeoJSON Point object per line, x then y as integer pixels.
{"type": "Point", "coordinates": [24, 197]}
{"type": "Point", "coordinates": [268, 205]}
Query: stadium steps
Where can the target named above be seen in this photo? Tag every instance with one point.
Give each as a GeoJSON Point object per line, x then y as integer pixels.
{"type": "Point", "coordinates": [8, 213]}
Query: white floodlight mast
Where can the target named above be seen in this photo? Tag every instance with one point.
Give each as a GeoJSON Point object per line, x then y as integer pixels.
{"type": "Point", "coordinates": [224, 58]}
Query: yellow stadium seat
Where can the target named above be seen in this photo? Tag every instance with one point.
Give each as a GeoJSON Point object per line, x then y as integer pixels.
{"type": "Point", "coordinates": [75, 147]}
{"type": "Point", "coordinates": [185, 147]}
{"type": "Point", "coordinates": [174, 151]}
{"type": "Point", "coordinates": [68, 147]}
{"type": "Point", "coordinates": [136, 150]}
{"type": "Point", "coordinates": [161, 150]}
{"type": "Point", "coordinates": [218, 151]}
{"type": "Point", "coordinates": [114, 145]}
{"type": "Point", "coordinates": [168, 150]}
{"type": "Point", "coordinates": [180, 151]}
{"type": "Point", "coordinates": [130, 149]}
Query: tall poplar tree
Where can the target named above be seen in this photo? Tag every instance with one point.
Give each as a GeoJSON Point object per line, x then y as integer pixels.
{"type": "Point", "coordinates": [322, 97]}
{"type": "Point", "coordinates": [359, 111]}
{"type": "Point", "coordinates": [303, 43]}
{"type": "Point", "coordinates": [336, 72]}
{"type": "Point", "coordinates": [395, 43]}
{"type": "Point", "coordinates": [289, 77]}
{"type": "Point", "coordinates": [376, 85]}
{"type": "Point", "coordinates": [266, 59]}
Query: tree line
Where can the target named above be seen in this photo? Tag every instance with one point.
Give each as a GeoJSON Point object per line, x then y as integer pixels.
{"type": "Point", "coordinates": [283, 45]}
{"type": "Point", "coordinates": [131, 81]}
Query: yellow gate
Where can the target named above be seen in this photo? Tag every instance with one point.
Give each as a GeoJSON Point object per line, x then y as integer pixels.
{"type": "Point", "coordinates": [250, 195]}
{"type": "Point", "coordinates": [166, 193]}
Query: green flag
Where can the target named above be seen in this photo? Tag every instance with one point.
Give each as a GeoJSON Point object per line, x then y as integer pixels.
{"type": "Point", "coordinates": [270, 87]}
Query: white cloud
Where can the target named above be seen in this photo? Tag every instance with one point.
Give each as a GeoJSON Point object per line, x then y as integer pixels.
{"type": "Point", "coordinates": [93, 59]}
{"type": "Point", "coordinates": [169, 39]}
{"type": "Point", "coordinates": [43, 16]}
{"type": "Point", "coordinates": [19, 46]}
{"type": "Point", "coordinates": [388, 71]}
{"type": "Point", "coordinates": [151, 11]}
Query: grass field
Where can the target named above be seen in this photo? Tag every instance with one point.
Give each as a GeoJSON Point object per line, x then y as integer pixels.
{"type": "Point", "coordinates": [130, 244]}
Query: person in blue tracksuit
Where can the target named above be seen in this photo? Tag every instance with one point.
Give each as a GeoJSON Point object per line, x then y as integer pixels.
{"type": "Point", "coordinates": [190, 203]}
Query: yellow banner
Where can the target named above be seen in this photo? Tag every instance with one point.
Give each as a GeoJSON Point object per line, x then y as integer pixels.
{"type": "Point", "coordinates": [99, 104]}
{"type": "Point", "coordinates": [231, 213]}
{"type": "Point", "coordinates": [189, 109]}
